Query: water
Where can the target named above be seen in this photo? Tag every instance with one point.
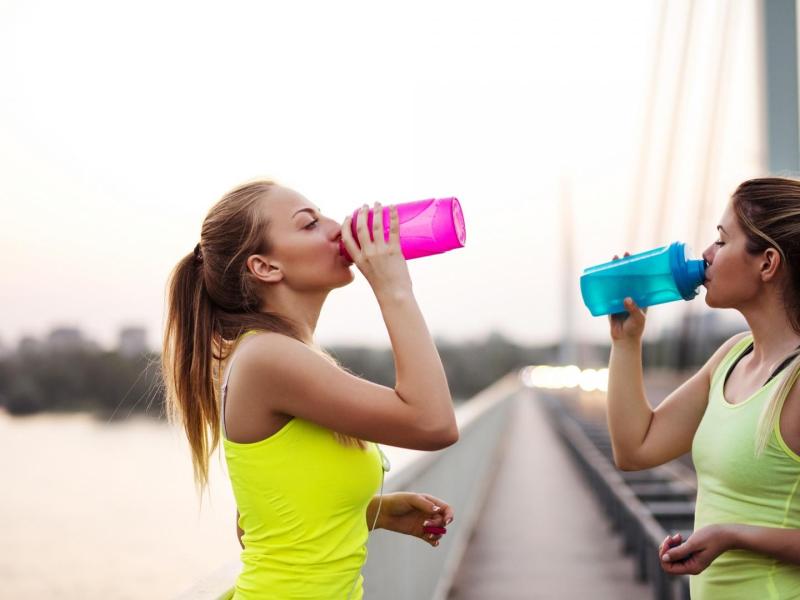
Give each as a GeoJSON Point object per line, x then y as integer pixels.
{"type": "Point", "coordinates": [93, 510]}
{"type": "Point", "coordinates": [610, 289]}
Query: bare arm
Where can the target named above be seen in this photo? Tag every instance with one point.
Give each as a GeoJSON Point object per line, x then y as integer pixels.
{"type": "Point", "coordinates": [642, 437]}
{"type": "Point", "coordinates": [411, 513]}
{"type": "Point", "coordinates": [420, 377]}
{"type": "Point", "coordinates": [782, 544]}
{"type": "Point", "coordinates": [695, 554]}
{"type": "Point", "coordinates": [298, 381]}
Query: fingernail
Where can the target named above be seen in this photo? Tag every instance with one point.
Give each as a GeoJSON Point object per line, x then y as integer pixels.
{"type": "Point", "coordinates": [435, 543]}
{"type": "Point", "coordinates": [449, 520]}
{"type": "Point", "coordinates": [427, 523]}
{"type": "Point", "coordinates": [665, 557]}
{"type": "Point", "coordinates": [436, 508]}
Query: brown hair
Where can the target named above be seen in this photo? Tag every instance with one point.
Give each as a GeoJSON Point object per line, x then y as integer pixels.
{"type": "Point", "coordinates": [768, 209]}
{"type": "Point", "coordinates": [212, 299]}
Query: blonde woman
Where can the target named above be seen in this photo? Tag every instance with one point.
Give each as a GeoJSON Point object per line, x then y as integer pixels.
{"type": "Point", "coordinates": [739, 414]}
{"type": "Point", "coordinates": [298, 431]}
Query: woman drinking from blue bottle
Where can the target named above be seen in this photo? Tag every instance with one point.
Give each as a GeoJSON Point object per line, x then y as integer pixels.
{"type": "Point", "coordinates": [240, 363]}
{"type": "Point", "coordinates": [739, 414]}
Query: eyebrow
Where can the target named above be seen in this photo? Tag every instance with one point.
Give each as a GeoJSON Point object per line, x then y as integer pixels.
{"type": "Point", "coordinates": [308, 210]}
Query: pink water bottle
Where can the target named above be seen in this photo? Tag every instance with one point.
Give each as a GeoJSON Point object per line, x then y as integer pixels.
{"type": "Point", "coordinates": [426, 227]}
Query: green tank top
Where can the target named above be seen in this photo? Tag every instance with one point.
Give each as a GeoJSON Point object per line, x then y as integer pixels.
{"type": "Point", "coordinates": [302, 498]}
{"type": "Point", "coordinates": [733, 486]}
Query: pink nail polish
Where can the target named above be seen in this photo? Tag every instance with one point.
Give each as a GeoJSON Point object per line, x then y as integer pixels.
{"type": "Point", "coordinates": [432, 529]}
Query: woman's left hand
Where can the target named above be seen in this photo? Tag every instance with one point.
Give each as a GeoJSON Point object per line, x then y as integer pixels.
{"type": "Point", "coordinates": [410, 513]}
{"type": "Point", "coordinates": [692, 556]}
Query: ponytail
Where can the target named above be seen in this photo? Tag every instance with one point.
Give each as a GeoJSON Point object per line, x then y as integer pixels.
{"type": "Point", "coordinates": [770, 417]}
{"type": "Point", "coordinates": [187, 358]}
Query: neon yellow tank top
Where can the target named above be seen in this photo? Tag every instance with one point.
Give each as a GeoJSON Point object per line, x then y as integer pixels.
{"type": "Point", "coordinates": [736, 487]}
{"type": "Point", "coordinates": [302, 498]}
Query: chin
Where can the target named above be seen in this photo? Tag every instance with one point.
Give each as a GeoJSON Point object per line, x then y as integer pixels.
{"type": "Point", "coordinates": [346, 278]}
{"type": "Point", "coordinates": [712, 302]}
{"type": "Point", "coordinates": [709, 299]}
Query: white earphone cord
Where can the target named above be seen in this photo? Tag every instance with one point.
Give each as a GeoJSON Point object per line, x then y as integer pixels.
{"type": "Point", "coordinates": [375, 521]}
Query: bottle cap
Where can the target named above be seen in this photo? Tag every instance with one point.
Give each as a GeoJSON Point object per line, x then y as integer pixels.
{"type": "Point", "coordinates": [688, 273]}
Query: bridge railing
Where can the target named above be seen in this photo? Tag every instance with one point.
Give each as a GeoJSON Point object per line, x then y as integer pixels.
{"type": "Point", "coordinates": [644, 506]}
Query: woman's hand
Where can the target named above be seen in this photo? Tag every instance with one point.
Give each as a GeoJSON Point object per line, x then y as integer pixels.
{"type": "Point", "coordinates": [411, 513]}
{"type": "Point", "coordinates": [692, 556]}
{"type": "Point", "coordinates": [380, 260]}
{"type": "Point", "coordinates": [627, 326]}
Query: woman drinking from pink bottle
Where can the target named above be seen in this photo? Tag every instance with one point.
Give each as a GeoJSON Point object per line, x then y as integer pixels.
{"type": "Point", "coordinates": [240, 363]}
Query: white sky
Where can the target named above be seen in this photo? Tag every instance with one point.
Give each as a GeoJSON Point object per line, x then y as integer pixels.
{"type": "Point", "coordinates": [121, 123]}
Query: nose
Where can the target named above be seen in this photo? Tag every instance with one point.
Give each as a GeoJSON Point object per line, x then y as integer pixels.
{"type": "Point", "coordinates": [708, 254]}
{"type": "Point", "coordinates": [334, 230]}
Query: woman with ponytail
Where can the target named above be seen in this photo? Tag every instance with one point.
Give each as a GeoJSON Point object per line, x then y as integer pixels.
{"type": "Point", "coordinates": [739, 414]}
{"type": "Point", "coordinates": [240, 364]}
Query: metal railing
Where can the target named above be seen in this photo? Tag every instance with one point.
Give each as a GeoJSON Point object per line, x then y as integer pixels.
{"type": "Point", "coordinates": [402, 568]}
{"type": "Point", "coordinates": [644, 506]}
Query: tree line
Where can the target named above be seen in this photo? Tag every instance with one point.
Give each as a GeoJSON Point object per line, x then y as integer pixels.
{"type": "Point", "coordinates": [114, 386]}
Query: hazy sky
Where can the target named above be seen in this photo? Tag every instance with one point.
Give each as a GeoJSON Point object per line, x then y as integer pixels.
{"type": "Point", "coordinates": [121, 123]}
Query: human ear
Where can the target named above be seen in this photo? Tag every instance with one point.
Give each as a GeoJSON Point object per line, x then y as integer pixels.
{"type": "Point", "coordinates": [770, 263]}
{"type": "Point", "coordinates": [264, 268]}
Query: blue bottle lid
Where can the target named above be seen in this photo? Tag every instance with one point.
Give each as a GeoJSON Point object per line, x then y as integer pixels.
{"type": "Point", "coordinates": [688, 274]}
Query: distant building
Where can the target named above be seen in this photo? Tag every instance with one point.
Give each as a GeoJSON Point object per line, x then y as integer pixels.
{"type": "Point", "coordinates": [132, 341]}
{"type": "Point", "coordinates": [29, 345]}
{"type": "Point", "coordinates": [65, 339]}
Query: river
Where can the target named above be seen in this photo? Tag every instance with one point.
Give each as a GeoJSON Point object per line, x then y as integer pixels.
{"type": "Point", "coordinates": [90, 509]}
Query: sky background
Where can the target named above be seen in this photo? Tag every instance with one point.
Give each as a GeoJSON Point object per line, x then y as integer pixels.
{"type": "Point", "coordinates": [122, 123]}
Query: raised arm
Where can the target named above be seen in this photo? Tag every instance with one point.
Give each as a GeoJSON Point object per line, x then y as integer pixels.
{"type": "Point", "coordinates": [294, 379]}
{"type": "Point", "coordinates": [642, 437]}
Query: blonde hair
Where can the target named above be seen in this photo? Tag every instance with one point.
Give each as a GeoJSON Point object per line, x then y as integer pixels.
{"type": "Point", "coordinates": [768, 209]}
{"type": "Point", "coordinates": [212, 299]}
{"type": "Point", "coordinates": [772, 410]}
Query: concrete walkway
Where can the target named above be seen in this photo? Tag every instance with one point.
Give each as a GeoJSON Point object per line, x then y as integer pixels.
{"type": "Point", "coordinates": [542, 535]}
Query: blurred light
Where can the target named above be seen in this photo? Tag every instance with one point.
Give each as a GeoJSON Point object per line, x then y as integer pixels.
{"type": "Point", "coordinates": [570, 376]}
{"type": "Point", "coordinates": [588, 380]}
{"type": "Point", "coordinates": [602, 380]}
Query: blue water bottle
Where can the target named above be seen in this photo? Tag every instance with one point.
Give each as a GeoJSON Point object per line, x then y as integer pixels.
{"type": "Point", "coordinates": [652, 277]}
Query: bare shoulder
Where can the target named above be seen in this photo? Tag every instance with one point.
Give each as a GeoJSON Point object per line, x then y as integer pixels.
{"type": "Point", "coordinates": [269, 353]}
{"type": "Point", "coordinates": [267, 343]}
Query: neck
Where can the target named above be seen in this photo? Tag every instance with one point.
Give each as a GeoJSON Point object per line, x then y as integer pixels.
{"type": "Point", "coordinates": [301, 308]}
{"type": "Point", "coordinates": [773, 334]}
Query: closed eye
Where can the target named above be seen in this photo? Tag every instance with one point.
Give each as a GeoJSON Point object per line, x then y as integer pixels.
{"type": "Point", "coordinates": [719, 243]}
{"type": "Point", "coordinates": [312, 224]}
